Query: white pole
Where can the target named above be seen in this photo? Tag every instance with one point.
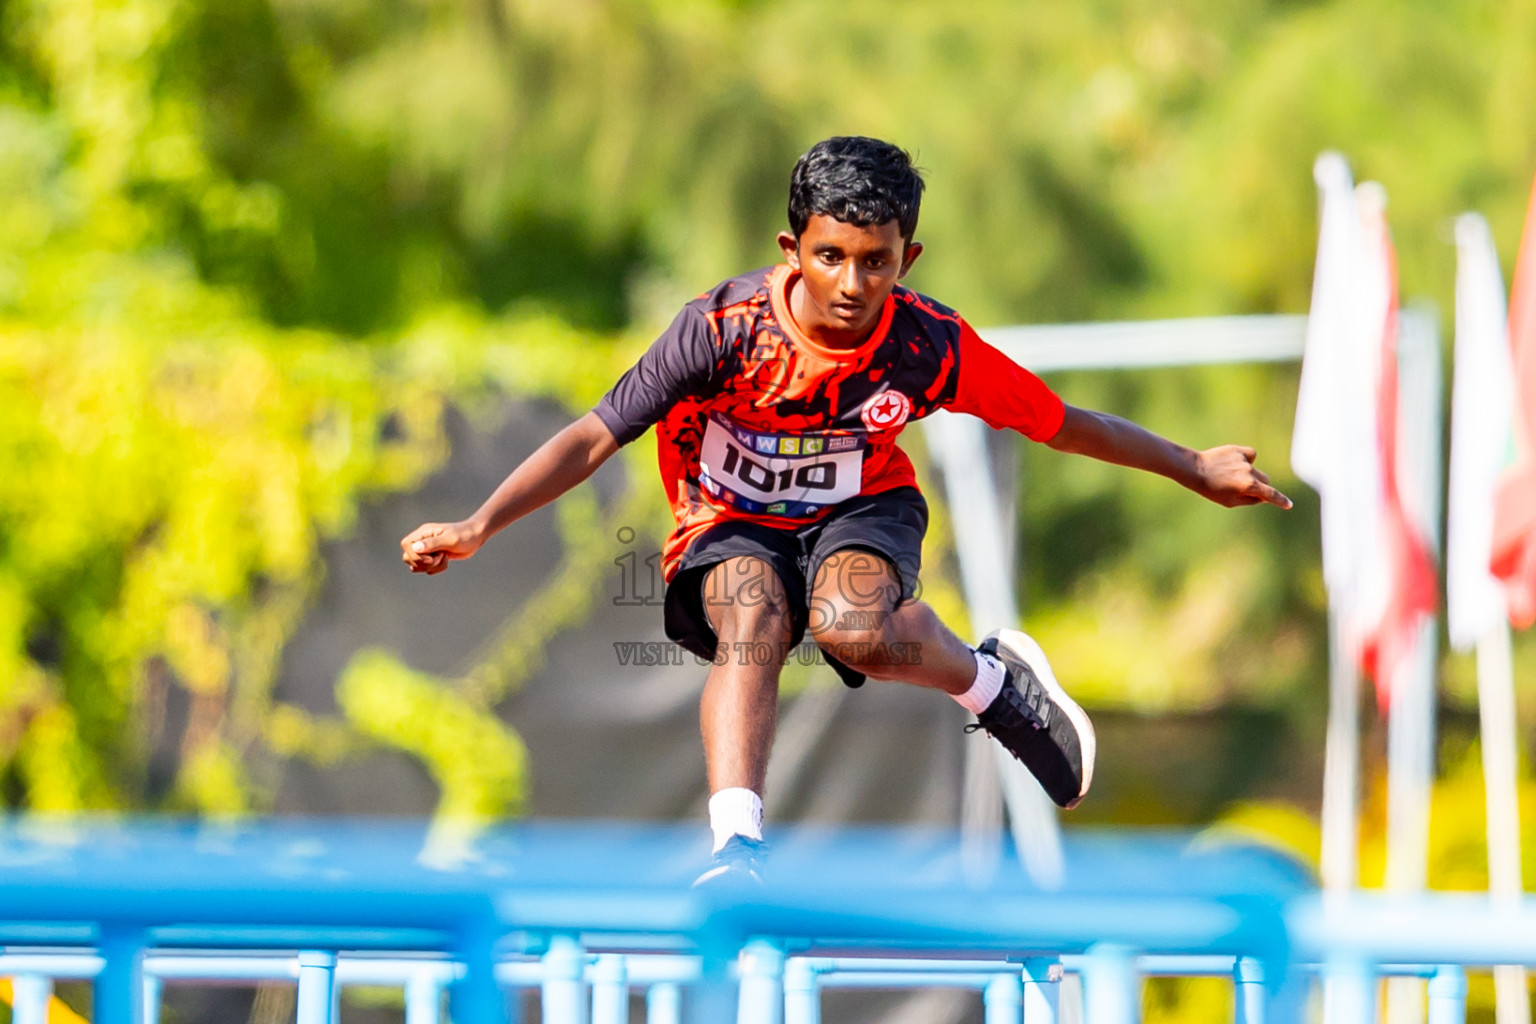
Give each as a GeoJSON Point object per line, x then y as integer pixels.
{"type": "Point", "coordinates": [760, 997]}
{"type": "Point", "coordinates": [1112, 989]}
{"type": "Point", "coordinates": [1003, 1000]}
{"type": "Point", "coordinates": [1448, 996]}
{"type": "Point", "coordinates": [610, 990]}
{"type": "Point", "coordinates": [1042, 990]}
{"type": "Point", "coordinates": [317, 987]}
{"type": "Point", "coordinates": [1411, 724]}
{"type": "Point", "coordinates": [423, 998]}
{"type": "Point", "coordinates": [1496, 708]}
{"type": "Point", "coordinates": [664, 1003]}
{"type": "Point", "coordinates": [1483, 409]}
{"type": "Point", "coordinates": [1341, 765]}
{"type": "Point", "coordinates": [564, 998]}
{"type": "Point", "coordinates": [982, 532]}
{"type": "Point", "coordinates": [30, 995]}
{"type": "Point", "coordinates": [802, 992]}
{"type": "Point", "coordinates": [1349, 991]}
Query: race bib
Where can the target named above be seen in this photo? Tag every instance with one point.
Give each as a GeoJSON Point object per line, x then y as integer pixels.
{"type": "Point", "coordinates": [779, 474]}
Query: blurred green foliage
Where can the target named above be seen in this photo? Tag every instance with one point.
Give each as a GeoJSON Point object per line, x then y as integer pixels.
{"type": "Point", "coordinates": [250, 250]}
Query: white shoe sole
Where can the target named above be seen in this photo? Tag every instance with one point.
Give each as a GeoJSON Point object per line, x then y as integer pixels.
{"type": "Point", "coordinates": [1027, 649]}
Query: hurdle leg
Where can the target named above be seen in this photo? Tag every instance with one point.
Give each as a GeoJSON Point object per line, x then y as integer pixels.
{"type": "Point", "coordinates": [1003, 999]}
{"type": "Point", "coordinates": [423, 999]}
{"type": "Point", "coordinates": [1042, 990]}
{"type": "Point", "coordinates": [154, 988]}
{"type": "Point", "coordinates": [564, 989]}
{"type": "Point", "coordinates": [1248, 990]}
{"type": "Point", "coordinates": [118, 996]}
{"type": "Point", "coordinates": [1286, 1002]}
{"type": "Point", "coordinates": [760, 1000]}
{"type": "Point", "coordinates": [317, 987]}
{"type": "Point", "coordinates": [664, 1004]}
{"type": "Point", "coordinates": [1349, 991]}
{"type": "Point", "coordinates": [1110, 986]}
{"type": "Point", "coordinates": [475, 996]}
{"type": "Point", "coordinates": [802, 992]}
{"type": "Point", "coordinates": [1448, 995]}
{"type": "Point", "coordinates": [610, 990]}
{"type": "Point", "coordinates": [30, 994]}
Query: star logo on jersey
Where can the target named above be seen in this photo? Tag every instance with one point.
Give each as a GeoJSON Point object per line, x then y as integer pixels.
{"type": "Point", "coordinates": [886, 410]}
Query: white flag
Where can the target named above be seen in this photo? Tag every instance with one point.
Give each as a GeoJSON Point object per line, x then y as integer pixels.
{"type": "Point", "coordinates": [1482, 404]}
{"type": "Point", "coordinates": [1337, 444]}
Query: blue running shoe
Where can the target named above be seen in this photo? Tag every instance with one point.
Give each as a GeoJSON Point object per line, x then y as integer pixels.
{"type": "Point", "coordinates": [736, 865]}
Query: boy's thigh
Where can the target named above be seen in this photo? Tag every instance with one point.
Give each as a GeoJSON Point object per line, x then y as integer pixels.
{"type": "Point", "coordinates": [737, 571]}
{"type": "Point", "coordinates": [868, 554]}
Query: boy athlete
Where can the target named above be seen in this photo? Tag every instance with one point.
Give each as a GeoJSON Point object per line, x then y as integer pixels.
{"type": "Point", "coordinates": [777, 399]}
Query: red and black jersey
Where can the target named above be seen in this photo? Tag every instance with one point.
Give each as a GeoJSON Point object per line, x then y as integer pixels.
{"type": "Point", "coordinates": [757, 421]}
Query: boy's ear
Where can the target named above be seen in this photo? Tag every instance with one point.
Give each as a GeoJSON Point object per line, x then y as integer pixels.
{"type": "Point", "coordinates": [909, 256]}
{"type": "Point", "coordinates": [790, 245]}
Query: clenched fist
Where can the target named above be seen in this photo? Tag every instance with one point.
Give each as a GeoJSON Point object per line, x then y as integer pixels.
{"type": "Point", "coordinates": [431, 546]}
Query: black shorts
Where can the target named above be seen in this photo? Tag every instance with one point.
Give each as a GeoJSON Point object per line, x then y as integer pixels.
{"type": "Point", "coordinates": [890, 524]}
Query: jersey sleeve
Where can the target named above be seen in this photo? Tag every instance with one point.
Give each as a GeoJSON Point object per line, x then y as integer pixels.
{"type": "Point", "coordinates": [679, 363]}
{"type": "Point", "coordinates": [1002, 393]}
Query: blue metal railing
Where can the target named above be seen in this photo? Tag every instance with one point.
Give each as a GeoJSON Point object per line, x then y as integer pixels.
{"type": "Point", "coordinates": [588, 914]}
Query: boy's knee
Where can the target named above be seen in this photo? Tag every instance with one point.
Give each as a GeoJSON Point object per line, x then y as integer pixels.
{"type": "Point", "coordinates": [853, 578]}
{"type": "Point", "coordinates": [762, 620]}
{"type": "Point", "coordinates": [853, 636]}
{"type": "Point", "coordinates": [746, 600]}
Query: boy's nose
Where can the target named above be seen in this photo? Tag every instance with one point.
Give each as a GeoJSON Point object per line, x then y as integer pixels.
{"type": "Point", "coordinates": [850, 282]}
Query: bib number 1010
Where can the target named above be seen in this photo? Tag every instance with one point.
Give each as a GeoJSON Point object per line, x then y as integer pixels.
{"type": "Point", "coordinates": [818, 476]}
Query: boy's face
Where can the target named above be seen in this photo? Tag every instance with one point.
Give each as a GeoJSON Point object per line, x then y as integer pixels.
{"type": "Point", "coordinates": [847, 272]}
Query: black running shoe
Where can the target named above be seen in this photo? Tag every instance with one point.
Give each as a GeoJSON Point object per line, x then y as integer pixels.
{"type": "Point", "coordinates": [1035, 720]}
{"type": "Point", "coordinates": [736, 865]}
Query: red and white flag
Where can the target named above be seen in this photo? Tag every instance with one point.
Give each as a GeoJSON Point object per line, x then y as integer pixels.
{"type": "Point", "coordinates": [1376, 563]}
{"type": "Point", "coordinates": [1514, 519]}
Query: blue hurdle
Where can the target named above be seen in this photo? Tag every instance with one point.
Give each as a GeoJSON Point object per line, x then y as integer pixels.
{"type": "Point", "coordinates": [587, 915]}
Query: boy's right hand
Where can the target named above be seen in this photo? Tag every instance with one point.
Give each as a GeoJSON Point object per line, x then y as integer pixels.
{"type": "Point", "coordinates": [431, 546]}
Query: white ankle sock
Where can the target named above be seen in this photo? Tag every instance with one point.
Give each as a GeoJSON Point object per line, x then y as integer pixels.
{"type": "Point", "coordinates": [989, 682]}
{"type": "Point", "coordinates": [735, 812]}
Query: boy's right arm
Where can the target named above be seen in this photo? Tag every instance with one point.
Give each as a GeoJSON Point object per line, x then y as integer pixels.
{"type": "Point", "coordinates": [561, 463]}
{"type": "Point", "coordinates": [681, 362]}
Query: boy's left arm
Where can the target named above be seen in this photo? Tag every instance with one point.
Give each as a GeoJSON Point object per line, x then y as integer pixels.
{"type": "Point", "coordinates": [1225, 475]}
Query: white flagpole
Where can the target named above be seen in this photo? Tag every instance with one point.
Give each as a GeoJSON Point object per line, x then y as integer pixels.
{"type": "Point", "coordinates": [1314, 456]}
{"type": "Point", "coordinates": [1482, 407]}
{"type": "Point", "coordinates": [1496, 711]}
{"type": "Point", "coordinates": [992, 778]}
{"type": "Point", "coordinates": [1411, 723]}
{"type": "Point", "coordinates": [1341, 766]}
{"type": "Point", "coordinates": [1336, 448]}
